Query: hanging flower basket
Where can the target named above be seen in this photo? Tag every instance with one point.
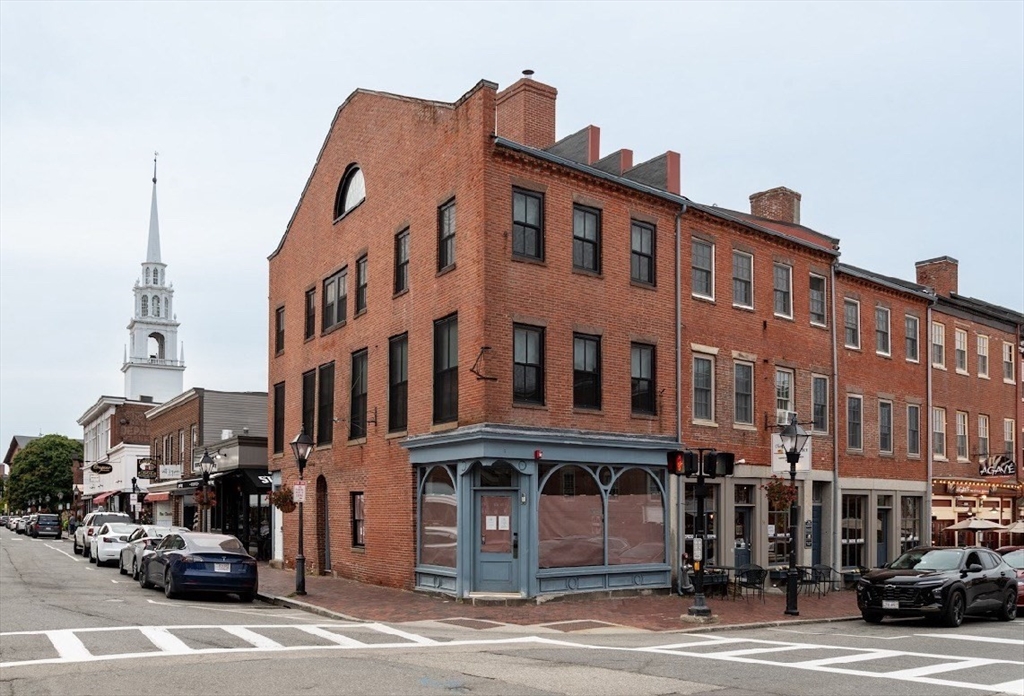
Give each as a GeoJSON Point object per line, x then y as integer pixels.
{"type": "Point", "coordinates": [282, 499]}
{"type": "Point", "coordinates": [779, 493]}
{"type": "Point", "coordinates": [207, 498]}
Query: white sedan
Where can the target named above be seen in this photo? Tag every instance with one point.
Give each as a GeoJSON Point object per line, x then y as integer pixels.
{"type": "Point", "coordinates": [140, 543]}
{"type": "Point", "coordinates": [106, 544]}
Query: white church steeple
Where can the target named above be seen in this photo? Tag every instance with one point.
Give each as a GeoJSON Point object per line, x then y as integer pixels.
{"type": "Point", "coordinates": [152, 368]}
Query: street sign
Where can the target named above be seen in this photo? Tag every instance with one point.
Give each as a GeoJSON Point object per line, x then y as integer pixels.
{"type": "Point", "coordinates": [299, 493]}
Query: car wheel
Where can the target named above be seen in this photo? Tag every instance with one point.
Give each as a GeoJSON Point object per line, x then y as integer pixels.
{"type": "Point", "coordinates": [92, 559]}
{"type": "Point", "coordinates": [169, 591]}
{"type": "Point", "coordinates": [872, 617]}
{"type": "Point", "coordinates": [74, 546]}
{"type": "Point", "coordinates": [135, 569]}
{"type": "Point", "coordinates": [954, 614]}
{"type": "Point", "coordinates": [1008, 612]}
{"type": "Point", "coordinates": [144, 582]}
{"type": "Point", "coordinates": [120, 565]}
{"type": "Point", "coordinates": [247, 597]}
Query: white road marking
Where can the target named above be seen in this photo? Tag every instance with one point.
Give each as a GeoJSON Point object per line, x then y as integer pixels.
{"type": "Point", "coordinates": [297, 615]}
{"type": "Point", "coordinates": [976, 639]}
{"type": "Point", "coordinates": [331, 636]}
{"type": "Point", "coordinates": [116, 582]}
{"type": "Point", "coordinates": [69, 646]}
{"type": "Point", "coordinates": [167, 642]}
{"type": "Point", "coordinates": [73, 558]}
{"type": "Point", "coordinates": [412, 637]}
{"type": "Point", "coordinates": [258, 640]}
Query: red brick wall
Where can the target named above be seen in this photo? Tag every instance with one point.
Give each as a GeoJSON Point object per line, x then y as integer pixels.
{"type": "Point", "coordinates": [779, 203]}
{"type": "Point", "coordinates": [169, 422]}
{"type": "Point", "coordinates": [877, 377]}
{"type": "Point", "coordinates": [526, 113]}
{"type": "Point", "coordinates": [939, 274]}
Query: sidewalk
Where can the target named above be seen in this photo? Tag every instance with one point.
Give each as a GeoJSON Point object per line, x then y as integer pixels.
{"type": "Point", "coordinates": [656, 612]}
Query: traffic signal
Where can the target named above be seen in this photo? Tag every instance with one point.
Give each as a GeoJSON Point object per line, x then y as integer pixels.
{"type": "Point", "coordinates": [710, 470]}
{"type": "Point", "coordinates": [692, 464]}
{"type": "Point", "coordinates": [725, 463]}
{"type": "Point", "coordinates": [675, 462]}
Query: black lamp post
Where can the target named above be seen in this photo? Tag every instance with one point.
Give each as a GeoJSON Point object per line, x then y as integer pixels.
{"type": "Point", "coordinates": [793, 440]}
{"type": "Point", "coordinates": [207, 466]}
{"type": "Point", "coordinates": [302, 445]}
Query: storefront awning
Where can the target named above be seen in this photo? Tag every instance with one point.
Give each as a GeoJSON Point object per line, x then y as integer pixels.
{"type": "Point", "coordinates": [157, 497]}
{"type": "Point", "coordinates": [102, 497]}
{"type": "Point", "coordinates": [251, 480]}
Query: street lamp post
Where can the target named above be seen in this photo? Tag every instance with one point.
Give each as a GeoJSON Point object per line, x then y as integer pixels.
{"type": "Point", "coordinates": [207, 466]}
{"type": "Point", "coordinates": [793, 440]}
{"type": "Point", "coordinates": [302, 445]}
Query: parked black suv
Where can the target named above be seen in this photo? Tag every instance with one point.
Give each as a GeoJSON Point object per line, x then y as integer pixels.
{"type": "Point", "coordinates": [46, 525]}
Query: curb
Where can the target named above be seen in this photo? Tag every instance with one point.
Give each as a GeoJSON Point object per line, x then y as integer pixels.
{"type": "Point", "coordinates": [305, 606]}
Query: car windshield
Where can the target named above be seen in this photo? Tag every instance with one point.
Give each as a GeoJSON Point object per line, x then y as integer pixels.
{"type": "Point", "coordinates": [121, 528]}
{"type": "Point", "coordinates": [928, 559]}
{"type": "Point", "coordinates": [218, 544]}
{"type": "Point", "coordinates": [1015, 558]}
{"type": "Point", "coordinates": [100, 520]}
{"type": "Point", "coordinates": [47, 518]}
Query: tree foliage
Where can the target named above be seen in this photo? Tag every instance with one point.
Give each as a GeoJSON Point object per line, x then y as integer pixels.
{"type": "Point", "coordinates": [42, 468]}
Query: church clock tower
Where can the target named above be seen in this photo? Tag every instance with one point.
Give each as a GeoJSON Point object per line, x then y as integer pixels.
{"type": "Point", "coordinates": [153, 368]}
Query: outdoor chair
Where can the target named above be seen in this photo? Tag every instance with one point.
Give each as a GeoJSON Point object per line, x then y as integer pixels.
{"type": "Point", "coordinates": [751, 579]}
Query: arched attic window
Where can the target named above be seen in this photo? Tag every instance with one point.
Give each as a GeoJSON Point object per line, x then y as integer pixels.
{"type": "Point", "coordinates": [351, 191]}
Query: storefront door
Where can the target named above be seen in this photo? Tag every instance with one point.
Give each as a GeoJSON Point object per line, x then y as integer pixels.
{"type": "Point", "coordinates": [496, 560]}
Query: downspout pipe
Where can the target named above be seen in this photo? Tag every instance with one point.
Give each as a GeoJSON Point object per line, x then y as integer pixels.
{"type": "Point", "coordinates": [926, 514]}
{"type": "Point", "coordinates": [678, 563]}
{"type": "Point", "coordinates": [836, 557]}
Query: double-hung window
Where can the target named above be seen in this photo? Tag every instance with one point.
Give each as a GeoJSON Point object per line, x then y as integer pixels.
{"type": "Point", "coordinates": [784, 400]}
{"type": "Point", "coordinates": [818, 305]}
{"type": "Point", "coordinates": [961, 436]}
{"type": "Point", "coordinates": [703, 388]}
{"type": "Point", "coordinates": [938, 345]}
{"type": "Point", "coordinates": [939, 432]}
{"type": "Point", "coordinates": [279, 418]}
{"type": "Point", "coordinates": [819, 403]}
{"type": "Point", "coordinates": [983, 435]}
{"type": "Point", "coordinates": [357, 400]}
{"type": "Point", "coordinates": [398, 383]}
{"type": "Point", "coordinates": [911, 327]}
{"type": "Point", "coordinates": [335, 294]}
{"type": "Point", "coordinates": [446, 235]}
{"type": "Point", "coordinates": [361, 271]}
{"type": "Point", "coordinates": [960, 350]}
{"type": "Point", "coordinates": [358, 506]}
{"type": "Point", "coordinates": [325, 405]}
{"type": "Point", "coordinates": [702, 269]}
{"type": "Point", "coordinates": [1010, 437]}
{"type": "Point", "coordinates": [983, 356]}
{"type": "Point", "coordinates": [642, 378]}
{"type": "Point", "coordinates": [586, 238]}
{"type": "Point", "coordinates": [885, 427]}
{"type": "Point", "coordinates": [586, 371]}
{"type": "Point", "coordinates": [742, 280]}
{"type": "Point", "coordinates": [641, 254]}
{"type": "Point", "coordinates": [743, 381]}
{"type": "Point", "coordinates": [913, 430]}
{"type": "Point", "coordinates": [882, 343]}
{"type": "Point", "coordinates": [528, 364]}
{"type": "Point", "coordinates": [782, 283]}
{"type": "Point", "coordinates": [854, 422]}
{"type": "Point", "coordinates": [527, 224]}
{"type": "Point", "coordinates": [279, 330]}
{"type": "Point", "coordinates": [1008, 363]}
{"type": "Point", "coordinates": [446, 369]}
{"type": "Point", "coordinates": [310, 326]}
{"type": "Point", "coordinates": [402, 261]}
{"type": "Point", "coordinates": [851, 323]}
{"type": "Point", "coordinates": [309, 402]}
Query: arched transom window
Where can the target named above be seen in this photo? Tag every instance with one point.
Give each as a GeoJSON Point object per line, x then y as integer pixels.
{"type": "Point", "coordinates": [351, 191]}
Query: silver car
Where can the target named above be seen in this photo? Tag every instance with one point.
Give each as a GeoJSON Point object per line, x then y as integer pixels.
{"type": "Point", "coordinates": [141, 542]}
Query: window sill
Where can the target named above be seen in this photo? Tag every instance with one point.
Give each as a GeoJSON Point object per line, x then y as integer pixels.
{"type": "Point", "coordinates": [915, 457]}
{"type": "Point", "coordinates": [348, 212]}
{"type": "Point", "coordinates": [847, 346]}
{"type": "Point", "coordinates": [442, 427]}
{"type": "Point", "coordinates": [783, 317]}
{"type": "Point", "coordinates": [965, 373]}
{"type": "Point", "coordinates": [887, 455]}
{"type": "Point", "coordinates": [818, 325]}
{"type": "Point", "coordinates": [403, 291]}
{"type": "Point", "coordinates": [588, 410]}
{"type": "Point", "coordinates": [939, 367]}
{"type": "Point", "coordinates": [915, 361]}
{"type": "Point", "coordinates": [745, 308]}
{"type": "Point", "coordinates": [642, 285]}
{"type": "Point", "coordinates": [356, 441]}
{"type": "Point", "coordinates": [749, 427]}
{"type": "Point", "coordinates": [325, 446]}
{"type": "Point", "coordinates": [940, 458]}
{"type": "Point", "coordinates": [529, 405]}
{"type": "Point", "coordinates": [444, 271]}
{"type": "Point", "coordinates": [359, 549]}
{"type": "Point", "coordinates": [397, 434]}
{"type": "Point", "coordinates": [643, 416]}
{"type": "Point", "coordinates": [818, 433]}
{"type": "Point", "coordinates": [855, 452]}
{"type": "Point", "coordinates": [333, 328]}
{"type": "Point", "coordinates": [702, 298]}
{"type": "Point", "coordinates": [887, 356]}
{"type": "Point", "coordinates": [279, 353]}
{"type": "Point", "coordinates": [307, 339]}
{"type": "Point", "coordinates": [529, 259]}
{"type": "Point", "coordinates": [1009, 381]}
{"type": "Point", "coordinates": [983, 377]}
{"type": "Point", "coordinates": [360, 313]}
{"type": "Point", "coordinates": [587, 272]}
{"type": "Point", "coordinates": [704, 423]}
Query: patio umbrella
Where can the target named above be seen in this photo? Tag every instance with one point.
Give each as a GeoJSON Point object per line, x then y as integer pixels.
{"type": "Point", "coordinates": [1016, 527]}
{"type": "Point", "coordinates": [975, 524]}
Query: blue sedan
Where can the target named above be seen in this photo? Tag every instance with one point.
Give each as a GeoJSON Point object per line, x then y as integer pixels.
{"type": "Point", "coordinates": [192, 562]}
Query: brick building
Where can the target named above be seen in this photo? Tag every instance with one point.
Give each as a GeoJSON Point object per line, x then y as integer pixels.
{"type": "Point", "coordinates": [493, 338]}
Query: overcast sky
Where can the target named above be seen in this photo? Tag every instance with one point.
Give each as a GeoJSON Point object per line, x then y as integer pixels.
{"type": "Point", "coordinates": [901, 124]}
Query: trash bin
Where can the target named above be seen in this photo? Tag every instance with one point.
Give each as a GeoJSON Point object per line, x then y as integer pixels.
{"type": "Point", "coordinates": [742, 552]}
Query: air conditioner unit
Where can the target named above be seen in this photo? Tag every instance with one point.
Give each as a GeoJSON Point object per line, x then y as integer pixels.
{"type": "Point", "coordinates": [782, 416]}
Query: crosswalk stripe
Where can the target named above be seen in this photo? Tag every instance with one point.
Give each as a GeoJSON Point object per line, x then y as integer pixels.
{"type": "Point", "coordinates": [165, 640]}
{"type": "Point", "coordinates": [68, 645]}
{"type": "Point", "coordinates": [964, 663]}
{"type": "Point", "coordinates": [411, 637]}
{"type": "Point", "coordinates": [331, 636]}
{"type": "Point", "coordinates": [257, 640]}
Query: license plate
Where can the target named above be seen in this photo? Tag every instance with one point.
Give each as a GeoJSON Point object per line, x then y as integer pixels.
{"type": "Point", "coordinates": [222, 567]}
{"type": "Point", "coordinates": [890, 604]}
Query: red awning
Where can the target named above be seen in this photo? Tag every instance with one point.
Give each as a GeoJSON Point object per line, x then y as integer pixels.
{"type": "Point", "coordinates": [157, 497]}
{"type": "Point", "coordinates": [102, 497]}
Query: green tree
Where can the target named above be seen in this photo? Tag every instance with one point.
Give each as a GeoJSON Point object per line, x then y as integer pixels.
{"type": "Point", "coordinates": [42, 468]}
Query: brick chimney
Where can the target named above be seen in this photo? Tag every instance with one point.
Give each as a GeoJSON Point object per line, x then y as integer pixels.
{"type": "Point", "coordinates": [526, 113]}
{"type": "Point", "coordinates": [940, 274]}
{"type": "Point", "coordinates": [780, 204]}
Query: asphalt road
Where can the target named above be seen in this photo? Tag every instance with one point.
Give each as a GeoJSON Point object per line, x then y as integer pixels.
{"type": "Point", "coordinates": [69, 627]}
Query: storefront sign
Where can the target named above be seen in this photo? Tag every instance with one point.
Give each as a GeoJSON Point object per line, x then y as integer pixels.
{"type": "Point", "coordinates": [997, 465]}
{"type": "Point", "coordinates": [146, 469]}
{"type": "Point", "coordinates": [170, 471]}
{"type": "Point", "coordinates": [101, 468]}
{"type": "Point", "coordinates": [779, 463]}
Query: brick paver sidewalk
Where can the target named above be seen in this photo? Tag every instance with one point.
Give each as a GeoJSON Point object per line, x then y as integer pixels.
{"type": "Point", "coordinates": [654, 612]}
